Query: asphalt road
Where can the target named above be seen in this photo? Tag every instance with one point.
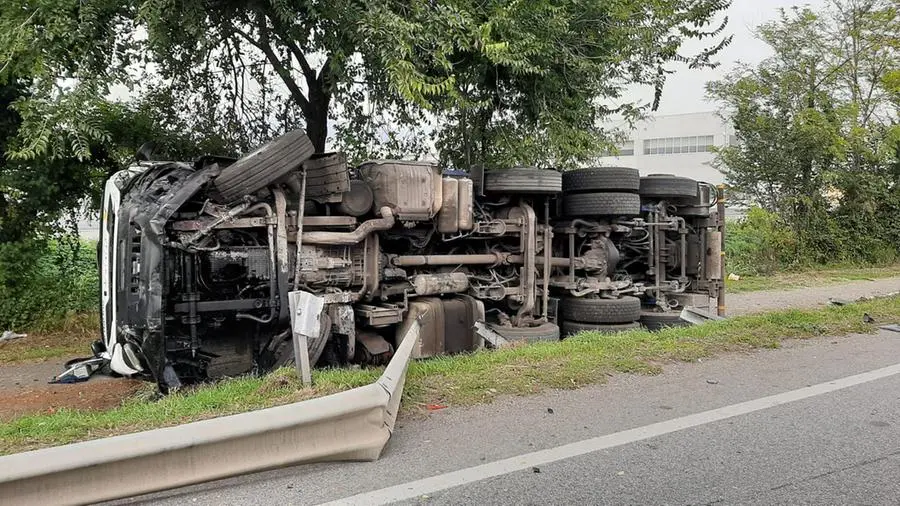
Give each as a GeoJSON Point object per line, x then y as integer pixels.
{"type": "Point", "coordinates": [816, 422]}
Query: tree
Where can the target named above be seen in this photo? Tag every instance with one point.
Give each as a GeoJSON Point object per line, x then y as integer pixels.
{"type": "Point", "coordinates": [543, 69]}
{"type": "Point", "coordinates": [817, 126]}
{"type": "Point", "coordinates": [530, 83]}
{"type": "Point", "coordinates": [490, 82]}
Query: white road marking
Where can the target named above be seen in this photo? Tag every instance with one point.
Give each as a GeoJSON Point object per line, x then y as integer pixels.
{"type": "Point", "coordinates": [481, 472]}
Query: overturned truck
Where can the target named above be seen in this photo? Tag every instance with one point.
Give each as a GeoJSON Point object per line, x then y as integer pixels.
{"type": "Point", "coordinates": [198, 259]}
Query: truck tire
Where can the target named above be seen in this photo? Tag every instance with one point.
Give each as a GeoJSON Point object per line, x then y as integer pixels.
{"type": "Point", "coordinates": [284, 355]}
{"type": "Point", "coordinates": [263, 166]}
{"type": "Point", "coordinates": [598, 310]}
{"type": "Point", "coordinates": [652, 320]}
{"type": "Point", "coordinates": [669, 187]}
{"type": "Point", "coordinates": [572, 328]}
{"type": "Point", "coordinates": [623, 179]}
{"type": "Point", "coordinates": [544, 332]}
{"type": "Point", "coordinates": [602, 204]}
{"type": "Point", "coordinates": [523, 180]}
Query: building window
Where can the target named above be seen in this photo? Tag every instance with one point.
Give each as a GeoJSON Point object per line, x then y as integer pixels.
{"type": "Point", "coordinates": [678, 145]}
{"type": "Point", "coordinates": [691, 145]}
{"type": "Point", "coordinates": [626, 148]}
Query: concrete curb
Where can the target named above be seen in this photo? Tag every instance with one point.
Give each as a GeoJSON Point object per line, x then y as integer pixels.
{"type": "Point", "coordinates": [351, 425]}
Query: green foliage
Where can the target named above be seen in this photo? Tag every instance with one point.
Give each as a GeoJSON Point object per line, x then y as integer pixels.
{"type": "Point", "coordinates": [817, 125]}
{"type": "Point", "coordinates": [40, 282]}
{"type": "Point", "coordinates": [761, 243]}
{"type": "Point", "coordinates": [487, 73]}
{"type": "Point", "coordinates": [529, 84]}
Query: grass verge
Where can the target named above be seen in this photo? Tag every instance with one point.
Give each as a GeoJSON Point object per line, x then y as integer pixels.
{"type": "Point", "coordinates": [803, 279]}
{"type": "Point", "coordinates": [70, 338]}
{"type": "Point", "coordinates": [459, 380]}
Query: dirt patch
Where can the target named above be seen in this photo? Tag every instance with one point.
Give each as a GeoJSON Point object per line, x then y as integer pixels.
{"type": "Point", "coordinates": [24, 390]}
{"type": "Point", "coordinates": [92, 395]}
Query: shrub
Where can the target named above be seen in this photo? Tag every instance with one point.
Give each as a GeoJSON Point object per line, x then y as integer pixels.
{"type": "Point", "coordinates": [761, 243]}
{"type": "Point", "coordinates": [43, 281]}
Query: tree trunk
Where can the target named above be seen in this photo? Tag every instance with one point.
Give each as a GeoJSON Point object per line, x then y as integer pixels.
{"type": "Point", "coordinates": [317, 119]}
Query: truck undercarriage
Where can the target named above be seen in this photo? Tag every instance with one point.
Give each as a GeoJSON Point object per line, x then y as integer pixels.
{"type": "Point", "coordinates": [198, 260]}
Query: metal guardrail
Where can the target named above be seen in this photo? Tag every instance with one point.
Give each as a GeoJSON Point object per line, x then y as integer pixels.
{"type": "Point", "coordinates": [351, 425]}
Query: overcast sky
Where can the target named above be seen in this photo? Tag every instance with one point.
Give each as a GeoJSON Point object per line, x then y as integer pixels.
{"type": "Point", "coordinates": [684, 89]}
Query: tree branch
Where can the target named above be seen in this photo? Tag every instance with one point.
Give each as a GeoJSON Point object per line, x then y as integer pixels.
{"type": "Point", "coordinates": [285, 38]}
{"type": "Point", "coordinates": [325, 74]}
{"type": "Point", "coordinates": [308, 71]}
{"type": "Point", "coordinates": [263, 45]}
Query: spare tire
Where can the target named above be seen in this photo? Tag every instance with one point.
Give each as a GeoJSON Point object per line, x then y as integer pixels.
{"type": "Point", "coordinates": [599, 310]}
{"type": "Point", "coordinates": [523, 180]}
{"type": "Point", "coordinates": [571, 328]}
{"type": "Point", "coordinates": [602, 204]}
{"type": "Point", "coordinates": [601, 179]}
{"type": "Point", "coordinates": [669, 187]}
{"type": "Point", "coordinates": [263, 166]}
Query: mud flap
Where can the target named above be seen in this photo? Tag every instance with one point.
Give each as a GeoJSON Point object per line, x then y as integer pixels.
{"type": "Point", "coordinates": [697, 316]}
{"type": "Point", "coordinates": [493, 339]}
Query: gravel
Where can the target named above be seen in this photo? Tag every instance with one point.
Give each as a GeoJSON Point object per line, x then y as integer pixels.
{"type": "Point", "coordinates": [804, 298]}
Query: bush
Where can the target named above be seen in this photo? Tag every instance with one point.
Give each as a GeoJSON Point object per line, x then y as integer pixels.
{"type": "Point", "coordinates": [761, 243]}
{"type": "Point", "coordinates": [43, 281]}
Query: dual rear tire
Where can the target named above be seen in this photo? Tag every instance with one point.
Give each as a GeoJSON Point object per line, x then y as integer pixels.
{"type": "Point", "coordinates": [601, 191]}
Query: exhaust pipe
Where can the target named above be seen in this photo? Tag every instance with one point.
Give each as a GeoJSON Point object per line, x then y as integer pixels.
{"type": "Point", "coordinates": [386, 221]}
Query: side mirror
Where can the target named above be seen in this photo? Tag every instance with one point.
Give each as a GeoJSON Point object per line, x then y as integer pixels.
{"type": "Point", "coordinates": [145, 152]}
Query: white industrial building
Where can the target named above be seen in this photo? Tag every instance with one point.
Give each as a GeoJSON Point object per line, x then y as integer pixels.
{"type": "Point", "coordinates": [679, 144]}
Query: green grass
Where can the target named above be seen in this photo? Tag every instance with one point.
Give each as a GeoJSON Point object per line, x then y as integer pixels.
{"type": "Point", "coordinates": [460, 380]}
{"type": "Point", "coordinates": [817, 277]}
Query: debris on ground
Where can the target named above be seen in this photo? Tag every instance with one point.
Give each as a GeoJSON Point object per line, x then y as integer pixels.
{"type": "Point", "coordinates": [892, 327]}
{"type": "Point", "coordinates": [712, 381]}
{"type": "Point", "coordinates": [866, 298]}
{"type": "Point", "coordinates": [837, 302]}
{"type": "Point", "coordinates": [867, 318]}
{"type": "Point", "coordinates": [550, 410]}
{"type": "Point", "coordinates": [734, 277]}
{"type": "Point", "coordinates": [79, 370]}
{"type": "Point", "coordinates": [9, 335]}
